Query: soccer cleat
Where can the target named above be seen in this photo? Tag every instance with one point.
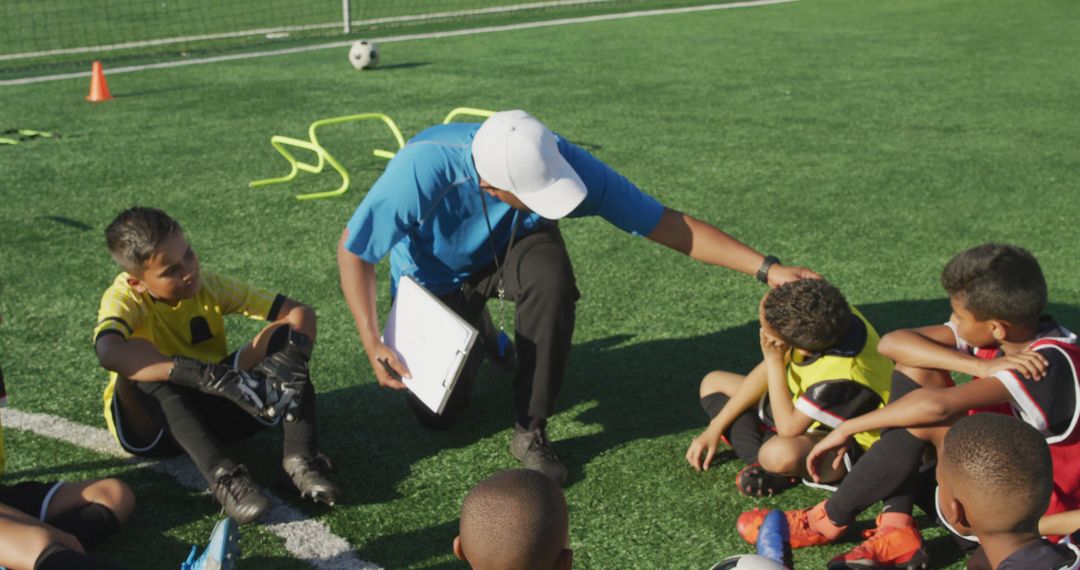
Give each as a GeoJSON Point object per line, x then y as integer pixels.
{"type": "Point", "coordinates": [249, 390]}
{"type": "Point", "coordinates": [886, 547]}
{"type": "Point", "coordinates": [754, 481]}
{"type": "Point", "coordinates": [800, 526]}
{"type": "Point", "coordinates": [238, 494]}
{"type": "Point", "coordinates": [774, 539]}
{"type": "Point", "coordinates": [222, 552]}
{"type": "Point", "coordinates": [309, 475]}
{"type": "Point", "coordinates": [533, 450]}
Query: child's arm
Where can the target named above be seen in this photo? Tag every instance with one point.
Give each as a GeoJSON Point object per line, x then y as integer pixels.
{"type": "Point", "coordinates": [790, 422]}
{"type": "Point", "coordinates": [1060, 524]}
{"type": "Point", "coordinates": [935, 347]}
{"type": "Point", "coordinates": [750, 391]}
{"type": "Point", "coordinates": [135, 359]}
{"type": "Point", "coordinates": [921, 408]}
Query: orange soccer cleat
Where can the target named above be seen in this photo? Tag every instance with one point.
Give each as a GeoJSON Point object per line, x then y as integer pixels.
{"type": "Point", "coordinates": [808, 527]}
{"type": "Point", "coordinates": [895, 543]}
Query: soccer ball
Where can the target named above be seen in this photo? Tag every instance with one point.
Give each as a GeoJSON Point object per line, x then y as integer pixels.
{"type": "Point", "coordinates": [748, 562]}
{"type": "Point", "coordinates": [364, 55]}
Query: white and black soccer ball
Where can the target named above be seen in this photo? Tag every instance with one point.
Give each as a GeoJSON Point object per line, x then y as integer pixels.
{"type": "Point", "coordinates": [364, 54]}
{"type": "Point", "coordinates": [748, 562]}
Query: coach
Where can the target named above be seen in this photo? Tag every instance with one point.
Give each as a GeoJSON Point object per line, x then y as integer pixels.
{"type": "Point", "coordinates": [469, 210]}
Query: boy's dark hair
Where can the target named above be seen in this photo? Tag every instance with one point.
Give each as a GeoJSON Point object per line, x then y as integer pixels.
{"type": "Point", "coordinates": [136, 233]}
{"type": "Point", "coordinates": [1001, 456]}
{"type": "Point", "coordinates": [997, 281]}
{"type": "Point", "coordinates": [810, 314]}
{"type": "Point", "coordinates": [514, 519]}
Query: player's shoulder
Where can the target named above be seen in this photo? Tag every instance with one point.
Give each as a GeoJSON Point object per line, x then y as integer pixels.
{"type": "Point", "coordinates": [120, 287]}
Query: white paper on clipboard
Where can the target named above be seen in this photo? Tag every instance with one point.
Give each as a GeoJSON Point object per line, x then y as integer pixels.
{"type": "Point", "coordinates": [430, 339]}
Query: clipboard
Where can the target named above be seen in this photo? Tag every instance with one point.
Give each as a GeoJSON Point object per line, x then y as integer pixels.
{"type": "Point", "coordinates": [430, 339]}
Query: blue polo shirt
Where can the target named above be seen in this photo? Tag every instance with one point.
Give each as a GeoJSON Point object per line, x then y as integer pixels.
{"type": "Point", "coordinates": [427, 209]}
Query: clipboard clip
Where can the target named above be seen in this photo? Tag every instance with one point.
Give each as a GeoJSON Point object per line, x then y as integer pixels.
{"type": "Point", "coordinates": [453, 368]}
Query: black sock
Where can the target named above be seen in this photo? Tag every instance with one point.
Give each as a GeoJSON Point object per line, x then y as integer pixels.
{"type": "Point", "coordinates": [902, 384]}
{"type": "Point", "coordinates": [745, 434]}
{"type": "Point", "coordinates": [60, 557]}
{"type": "Point", "coordinates": [886, 470]}
{"type": "Point", "coordinates": [89, 523]}
{"type": "Point", "coordinates": [188, 429]}
{"type": "Point", "coordinates": [300, 436]}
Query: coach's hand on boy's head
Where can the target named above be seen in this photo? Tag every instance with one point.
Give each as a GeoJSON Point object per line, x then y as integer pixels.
{"type": "Point", "coordinates": [1030, 363]}
{"type": "Point", "coordinates": [780, 274]}
{"type": "Point", "coordinates": [836, 440]}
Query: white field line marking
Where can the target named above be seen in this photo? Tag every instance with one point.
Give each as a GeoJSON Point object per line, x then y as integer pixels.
{"type": "Point", "coordinates": [402, 38]}
{"type": "Point", "coordinates": [281, 29]}
{"type": "Point", "coordinates": [305, 539]}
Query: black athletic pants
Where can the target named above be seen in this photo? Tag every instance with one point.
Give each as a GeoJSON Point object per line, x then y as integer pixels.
{"type": "Point", "coordinates": [889, 471]}
{"type": "Point", "coordinates": [539, 281]}
{"type": "Point", "coordinates": [201, 425]}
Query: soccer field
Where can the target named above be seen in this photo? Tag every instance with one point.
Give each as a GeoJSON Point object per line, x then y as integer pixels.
{"type": "Point", "coordinates": [870, 141]}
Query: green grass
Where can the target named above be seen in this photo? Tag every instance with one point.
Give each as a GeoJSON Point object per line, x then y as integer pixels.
{"type": "Point", "coordinates": [870, 141]}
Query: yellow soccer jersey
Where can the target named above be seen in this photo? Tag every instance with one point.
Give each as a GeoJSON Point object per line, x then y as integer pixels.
{"type": "Point", "coordinates": [845, 381]}
{"type": "Point", "coordinates": [194, 327]}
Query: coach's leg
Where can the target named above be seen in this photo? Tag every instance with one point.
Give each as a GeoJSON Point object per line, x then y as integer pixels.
{"type": "Point", "coordinates": [540, 280]}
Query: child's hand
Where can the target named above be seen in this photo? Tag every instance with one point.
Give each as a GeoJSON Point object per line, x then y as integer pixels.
{"type": "Point", "coordinates": [1029, 363]}
{"type": "Point", "coordinates": [706, 443]}
{"type": "Point", "coordinates": [836, 441]}
{"type": "Point", "coordinates": [772, 347]}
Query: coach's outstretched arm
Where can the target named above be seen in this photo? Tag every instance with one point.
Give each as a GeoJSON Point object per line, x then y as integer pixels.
{"type": "Point", "coordinates": [358, 285]}
{"type": "Point", "coordinates": [705, 242]}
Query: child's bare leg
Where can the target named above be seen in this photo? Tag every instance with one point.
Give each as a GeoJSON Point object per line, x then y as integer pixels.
{"type": "Point", "coordinates": [255, 351]}
{"type": "Point", "coordinates": [23, 538]}
{"type": "Point", "coordinates": [924, 377]}
{"type": "Point", "coordinates": [734, 397]}
{"type": "Point", "coordinates": [719, 381]}
{"type": "Point", "coordinates": [787, 456]}
{"type": "Point", "coordinates": [90, 510]}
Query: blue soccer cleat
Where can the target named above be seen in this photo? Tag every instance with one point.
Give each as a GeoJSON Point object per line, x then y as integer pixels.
{"type": "Point", "coordinates": [774, 539]}
{"type": "Point", "coordinates": [223, 551]}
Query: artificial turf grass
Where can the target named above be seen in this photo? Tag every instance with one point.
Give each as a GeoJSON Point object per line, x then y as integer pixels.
{"type": "Point", "coordinates": [871, 142]}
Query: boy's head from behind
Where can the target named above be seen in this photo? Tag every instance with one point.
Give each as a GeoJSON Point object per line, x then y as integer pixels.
{"type": "Point", "coordinates": [810, 314]}
{"type": "Point", "coordinates": [995, 476]}
{"type": "Point", "coordinates": [515, 520]}
{"type": "Point", "coordinates": [993, 287]}
{"type": "Point", "coordinates": [150, 246]}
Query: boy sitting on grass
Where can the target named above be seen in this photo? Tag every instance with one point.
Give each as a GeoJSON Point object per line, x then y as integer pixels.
{"type": "Point", "coordinates": [515, 520]}
{"type": "Point", "coordinates": [821, 366]}
{"type": "Point", "coordinates": [174, 386]}
{"type": "Point", "coordinates": [1025, 365]}
{"type": "Point", "coordinates": [989, 456]}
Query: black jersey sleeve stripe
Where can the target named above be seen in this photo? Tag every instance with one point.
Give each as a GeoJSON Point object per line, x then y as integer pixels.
{"type": "Point", "coordinates": [107, 332]}
{"type": "Point", "coordinates": [275, 308]}
{"type": "Point", "coordinates": [130, 330]}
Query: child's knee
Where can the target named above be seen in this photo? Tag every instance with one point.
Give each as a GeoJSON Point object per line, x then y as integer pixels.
{"type": "Point", "coordinates": [718, 381]}
{"type": "Point", "coordinates": [779, 455]}
{"type": "Point", "coordinates": [114, 495]}
{"type": "Point", "coordinates": [925, 377]}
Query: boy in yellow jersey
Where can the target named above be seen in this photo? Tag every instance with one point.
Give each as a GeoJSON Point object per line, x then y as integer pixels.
{"type": "Point", "coordinates": [174, 386]}
{"type": "Point", "coordinates": [820, 367]}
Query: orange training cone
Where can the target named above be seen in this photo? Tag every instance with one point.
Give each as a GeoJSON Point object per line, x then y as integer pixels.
{"type": "Point", "coordinates": [99, 89]}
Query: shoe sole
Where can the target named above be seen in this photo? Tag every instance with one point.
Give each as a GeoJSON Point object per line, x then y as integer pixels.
{"type": "Point", "coordinates": [920, 561]}
{"type": "Point", "coordinates": [224, 548]}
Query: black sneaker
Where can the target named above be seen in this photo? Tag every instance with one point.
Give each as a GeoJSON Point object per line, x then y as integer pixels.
{"type": "Point", "coordinates": [308, 474]}
{"type": "Point", "coordinates": [238, 494]}
{"type": "Point", "coordinates": [755, 481]}
{"type": "Point", "coordinates": [533, 450]}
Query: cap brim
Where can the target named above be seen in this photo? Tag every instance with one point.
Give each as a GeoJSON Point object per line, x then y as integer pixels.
{"type": "Point", "coordinates": [560, 197]}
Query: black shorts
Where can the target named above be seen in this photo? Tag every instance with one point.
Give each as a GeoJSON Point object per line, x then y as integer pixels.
{"type": "Point", "coordinates": [30, 497]}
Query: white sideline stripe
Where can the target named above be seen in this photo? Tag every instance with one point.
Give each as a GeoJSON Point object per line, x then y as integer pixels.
{"type": "Point", "coordinates": [403, 38]}
{"type": "Point", "coordinates": [305, 539]}
{"type": "Point", "coordinates": [262, 31]}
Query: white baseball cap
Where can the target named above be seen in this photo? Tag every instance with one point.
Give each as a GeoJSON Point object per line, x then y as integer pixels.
{"type": "Point", "coordinates": [515, 152]}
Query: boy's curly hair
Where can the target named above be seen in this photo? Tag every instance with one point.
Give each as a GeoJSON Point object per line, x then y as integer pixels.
{"type": "Point", "coordinates": [810, 314]}
{"type": "Point", "coordinates": [136, 233]}
{"type": "Point", "coordinates": [997, 281]}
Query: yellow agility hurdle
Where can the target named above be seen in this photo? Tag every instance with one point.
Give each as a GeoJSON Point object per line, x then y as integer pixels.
{"type": "Point", "coordinates": [280, 143]}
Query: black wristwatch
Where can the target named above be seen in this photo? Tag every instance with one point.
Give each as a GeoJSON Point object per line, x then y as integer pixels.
{"type": "Point", "coordinates": [763, 271]}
